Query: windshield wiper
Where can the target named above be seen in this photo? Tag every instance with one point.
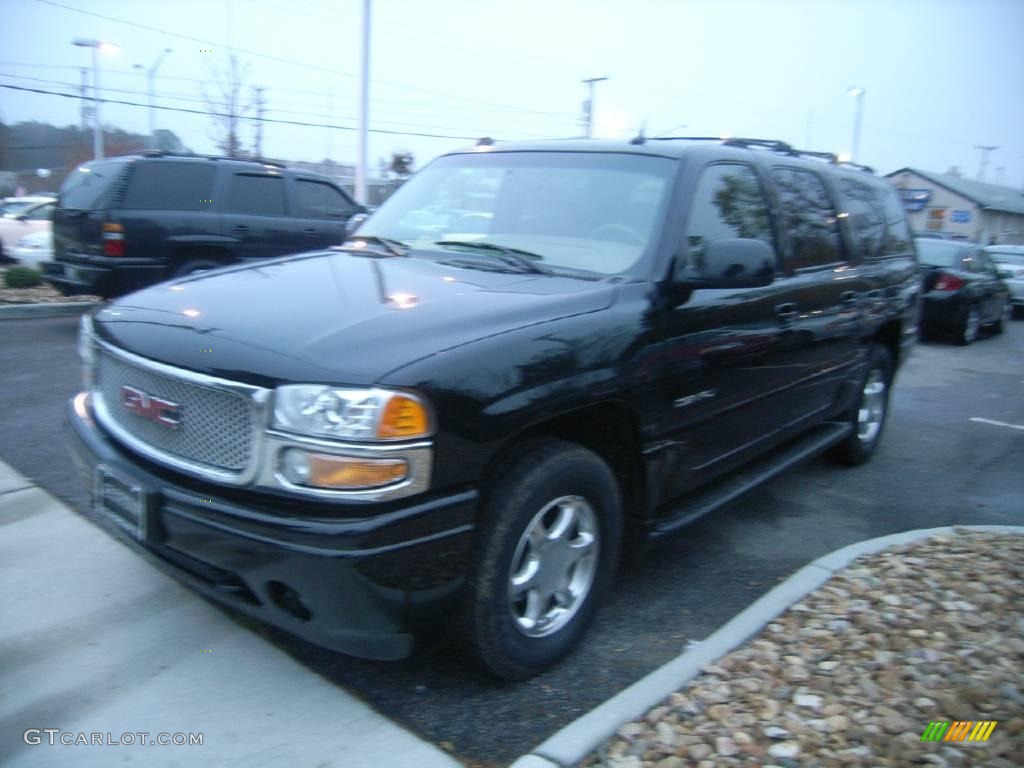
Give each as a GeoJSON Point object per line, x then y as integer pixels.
{"type": "Point", "coordinates": [394, 247]}
{"type": "Point", "coordinates": [514, 256]}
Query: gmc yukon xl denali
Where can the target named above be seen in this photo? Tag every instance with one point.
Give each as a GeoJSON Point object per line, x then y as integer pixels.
{"type": "Point", "coordinates": [528, 357]}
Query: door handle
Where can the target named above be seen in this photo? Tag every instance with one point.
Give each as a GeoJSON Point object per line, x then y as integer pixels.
{"type": "Point", "coordinates": [309, 231]}
{"type": "Point", "coordinates": [787, 312]}
{"type": "Point", "coordinates": [241, 229]}
{"type": "Point", "coordinates": [848, 298]}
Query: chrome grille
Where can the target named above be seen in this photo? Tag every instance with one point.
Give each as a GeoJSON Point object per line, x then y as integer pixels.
{"type": "Point", "coordinates": [216, 430]}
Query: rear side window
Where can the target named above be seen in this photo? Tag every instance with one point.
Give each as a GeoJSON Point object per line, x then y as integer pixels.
{"type": "Point", "coordinates": [85, 187]}
{"type": "Point", "coordinates": [170, 186]}
{"type": "Point", "coordinates": [864, 204]}
{"type": "Point", "coordinates": [259, 195]}
{"type": "Point", "coordinates": [897, 231]}
{"type": "Point", "coordinates": [317, 200]}
{"type": "Point", "coordinates": [939, 253]}
{"type": "Point", "coordinates": [808, 217]}
{"type": "Point", "coordinates": [728, 202]}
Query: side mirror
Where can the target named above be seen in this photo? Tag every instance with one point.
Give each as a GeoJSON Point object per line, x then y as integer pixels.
{"type": "Point", "coordinates": [355, 222]}
{"type": "Point", "coordinates": [729, 263]}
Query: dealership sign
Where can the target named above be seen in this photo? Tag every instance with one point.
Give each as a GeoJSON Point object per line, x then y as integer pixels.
{"type": "Point", "coordinates": [915, 199]}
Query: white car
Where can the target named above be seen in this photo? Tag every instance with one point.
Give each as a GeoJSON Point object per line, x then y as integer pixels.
{"type": "Point", "coordinates": [1010, 259]}
{"type": "Point", "coordinates": [35, 217]}
{"type": "Point", "coordinates": [32, 250]}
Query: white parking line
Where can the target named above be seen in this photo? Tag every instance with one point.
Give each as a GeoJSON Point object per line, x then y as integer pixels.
{"type": "Point", "coordinates": [996, 423]}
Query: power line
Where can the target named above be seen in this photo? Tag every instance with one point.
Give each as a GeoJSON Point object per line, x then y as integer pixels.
{"type": "Point", "coordinates": [222, 114]}
{"type": "Point", "coordinates": [279, 59]}
{"type": "Point", "coordinates": [191, 100]}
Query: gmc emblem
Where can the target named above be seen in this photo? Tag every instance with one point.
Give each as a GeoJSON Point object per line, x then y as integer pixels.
{"type": "Point", "coordinates": [162, 412]}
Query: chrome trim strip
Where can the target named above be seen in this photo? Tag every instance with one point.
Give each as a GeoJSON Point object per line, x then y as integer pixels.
{"type": "Point", "coordinates": [258, 397]}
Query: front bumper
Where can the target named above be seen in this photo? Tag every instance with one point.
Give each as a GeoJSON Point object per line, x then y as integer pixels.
{"type": "Point", "coordinates": [102, 275]}
{"type": "Point", "coordinates": [358, 586]}
{"type": "Point", "coordinates": [944, 308]}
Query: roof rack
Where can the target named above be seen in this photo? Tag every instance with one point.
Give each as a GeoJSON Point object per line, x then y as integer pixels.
{"type": "Point", "coordinates": [772, 145]}
{"type": "Point", "coordinates": [172, 153]}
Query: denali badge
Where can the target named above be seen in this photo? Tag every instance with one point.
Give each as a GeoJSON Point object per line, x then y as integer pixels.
{"type": "Point", "coordinates": [163, 412]}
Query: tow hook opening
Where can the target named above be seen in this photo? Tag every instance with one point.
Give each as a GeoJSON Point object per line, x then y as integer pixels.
{"type": "Point", "coordinates": [288, 600]}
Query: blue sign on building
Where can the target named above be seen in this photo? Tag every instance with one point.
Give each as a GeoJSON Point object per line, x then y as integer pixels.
{"type": "Point", "coordinates": [960, 217]}
{"type": "Point", "coordinates": [915, 199]}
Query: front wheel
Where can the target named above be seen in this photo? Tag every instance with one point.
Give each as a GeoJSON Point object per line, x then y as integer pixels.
{"type": "Point", "coordinates": [868, 417]}
{"type": "Point", "coordinates": [547, 546]}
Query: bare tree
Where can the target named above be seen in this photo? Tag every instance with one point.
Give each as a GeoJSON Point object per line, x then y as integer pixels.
{"type": "Point", "coordinates": [225, 105]}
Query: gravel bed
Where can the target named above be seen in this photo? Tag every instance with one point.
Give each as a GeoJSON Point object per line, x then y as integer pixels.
{"type": "Point", "coordinates": [42, 294]}
{"type": "Point", "coordinates": [853, 674]}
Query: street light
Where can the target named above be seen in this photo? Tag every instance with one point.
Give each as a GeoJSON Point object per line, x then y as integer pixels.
{"type": "Point", "coordinates": [859, 93]}
{"type": "Point", "coordinates": [97, 125]}
{"type": "Point", "coordinates": [150, 80]}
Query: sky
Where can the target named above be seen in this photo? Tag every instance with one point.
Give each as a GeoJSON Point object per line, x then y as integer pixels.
{"type": "Point", "coordinates": [940, 76]}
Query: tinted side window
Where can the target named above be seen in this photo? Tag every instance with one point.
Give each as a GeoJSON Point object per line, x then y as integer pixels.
{"type": "Point", "coordinates": [317, 200]}
{"type": "Point", "coordinates": [728, 202]}
{"type": "Point", "coordinates": [864, 205]}
{"type": "Point", "coordinates": [170, 186]}
{"type": "Point", "coordinates": [897, 230]}
{"type": "Point", "coordinates": [256, 194]}
{"type": "Point", "coordinates": [808, 217]}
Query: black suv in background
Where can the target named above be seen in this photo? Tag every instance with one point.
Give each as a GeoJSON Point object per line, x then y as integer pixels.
{"type": "Point", "coordinates": [128, 222]}
{"type": "Point", "coordinates": [530, 355]}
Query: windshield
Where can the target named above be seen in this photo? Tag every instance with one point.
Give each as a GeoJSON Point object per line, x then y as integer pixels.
{"type": "Point", "coordinates": [14, 208]}
{"type": "Point", "coordinates": [1003, 257]}
{"type": "Point", "coordinates": [939, 253]}
{"type": "Point", "coordinates": [597, 212]}
{"type": "Point", "coordinates": [85, 186]}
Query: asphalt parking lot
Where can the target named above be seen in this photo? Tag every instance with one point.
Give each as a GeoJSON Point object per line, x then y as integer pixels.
{"type": "Point", "coordinates": [936, 467]}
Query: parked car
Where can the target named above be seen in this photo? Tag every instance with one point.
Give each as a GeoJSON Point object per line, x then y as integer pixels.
{"type": "Point", "coordinates": [26, 220]}
{"type": "Point", "coordinates": [1009, 260]}
{"type": "Point", "coordinates": [963, 291]}
{"type": "Point", "coordinates": [128, 222]}
{"type": "Point", "coordinates": [466, 414]}
{"type": "Point", "coordinates": [32, 250]}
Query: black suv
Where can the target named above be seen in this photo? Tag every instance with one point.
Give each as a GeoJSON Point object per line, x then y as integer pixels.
{"type": "Point", "coordinates": [529, 355]}
{"type": "Point", "coordinates": [128, 222]}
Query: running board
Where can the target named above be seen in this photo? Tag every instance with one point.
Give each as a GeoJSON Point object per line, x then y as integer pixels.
{"type": "Point", "coordinates": [734, 485]}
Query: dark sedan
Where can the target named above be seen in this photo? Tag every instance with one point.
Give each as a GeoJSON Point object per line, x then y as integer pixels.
{"type": "Point", "coordinates": [963, 291]}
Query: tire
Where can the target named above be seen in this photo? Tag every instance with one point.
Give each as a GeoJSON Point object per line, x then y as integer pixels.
{"type": "Point", "coordinates": [1004, 317]}
{"type": "Point", "coordinates": [869, 415]}
{"type": "Point", "coordinates": [191, 266]}
{"type": "Point", "coordinates": [969, 328]}
{"type": "Point", "coordinates": [539, 490]}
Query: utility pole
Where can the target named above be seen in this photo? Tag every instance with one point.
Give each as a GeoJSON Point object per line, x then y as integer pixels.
{"type": "Point", "coordinates": [258, 151]}
{"type": "Point", "coordinates": [150, 89]}
{"type": "Point", "coordinates": [364, 108]}
{"type": "Point", "coordinates": [588, 106]}
{"type": "Point", "coordinates": [985, 150]}
{"type": "Point", "coordinates": [857, 120]}
{"type": "Point", "coordinates": [84, 88]}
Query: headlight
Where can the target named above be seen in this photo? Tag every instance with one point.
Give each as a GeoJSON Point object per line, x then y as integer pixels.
{"type": "Point", "coordinates": [350, 414]}
{"type": "Point", "coordinates": [86, 350]}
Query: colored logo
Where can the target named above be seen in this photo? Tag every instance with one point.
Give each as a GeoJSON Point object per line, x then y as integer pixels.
{"type": "Point", "coordinates": [959, 730]}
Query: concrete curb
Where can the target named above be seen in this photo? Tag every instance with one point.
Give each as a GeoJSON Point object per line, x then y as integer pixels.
{"type": "Point", "coordinates": [575, 741]}
{"type": "Point", "coordinates": [56, 309]}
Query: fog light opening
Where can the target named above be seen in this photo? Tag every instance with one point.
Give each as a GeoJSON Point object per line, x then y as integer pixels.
{"type": "Point", "coordinates": [288, 600]}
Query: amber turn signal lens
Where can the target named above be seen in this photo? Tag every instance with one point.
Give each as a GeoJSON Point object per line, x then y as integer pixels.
{"type": "Point", "coordinates": [347, 473]}
{"type": "Point", "coordinates": [403, 417]}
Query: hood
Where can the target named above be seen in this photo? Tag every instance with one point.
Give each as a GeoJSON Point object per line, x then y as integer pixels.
{"type": "Point", "coordinates": [333, 317]}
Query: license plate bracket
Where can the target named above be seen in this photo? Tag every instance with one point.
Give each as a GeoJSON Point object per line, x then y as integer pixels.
{"type": "Point", "coordinates": [121, 501]}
